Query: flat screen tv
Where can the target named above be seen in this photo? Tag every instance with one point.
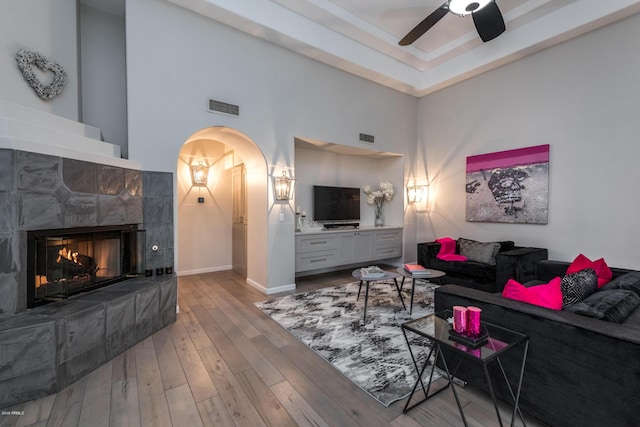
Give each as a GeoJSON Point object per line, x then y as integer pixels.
{"type": "Point", "coordinates": [336, 204]}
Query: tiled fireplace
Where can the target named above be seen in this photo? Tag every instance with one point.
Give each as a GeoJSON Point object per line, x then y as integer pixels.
{"type": "Point", "coordinates": [97, 218]}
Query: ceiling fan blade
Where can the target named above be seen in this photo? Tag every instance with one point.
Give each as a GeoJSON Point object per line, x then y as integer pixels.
{"type": "Point", "coordinates": [489, 22]}
{"type": "Point", "coordinates": [426, 23]}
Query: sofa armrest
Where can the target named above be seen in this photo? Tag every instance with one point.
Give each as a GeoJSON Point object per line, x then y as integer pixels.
{"type": "Point", "coordinates": [426, 252]}
{"type": "Point", "coordinates": [518, 264]}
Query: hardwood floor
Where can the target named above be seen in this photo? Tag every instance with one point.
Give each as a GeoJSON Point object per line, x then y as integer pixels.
{"type": "Point", "coordinates": [225, 363]}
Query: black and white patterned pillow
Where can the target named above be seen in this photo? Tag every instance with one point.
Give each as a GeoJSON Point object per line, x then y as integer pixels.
{"type": "Point", "coordinates": [479, 251]}
{"type": "Point", "coordinates": [577, 286]}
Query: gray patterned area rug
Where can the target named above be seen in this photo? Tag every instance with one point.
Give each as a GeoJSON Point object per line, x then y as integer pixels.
{"type": "Point", "coordinates": [374, 355]}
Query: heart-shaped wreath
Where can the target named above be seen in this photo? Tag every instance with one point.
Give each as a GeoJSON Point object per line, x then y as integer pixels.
{"type": "Point", "coordinates": [27, 58]}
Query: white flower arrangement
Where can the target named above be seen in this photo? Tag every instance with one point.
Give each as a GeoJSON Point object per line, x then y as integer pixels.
{"type": "Point", "coordinates": [378, 197]}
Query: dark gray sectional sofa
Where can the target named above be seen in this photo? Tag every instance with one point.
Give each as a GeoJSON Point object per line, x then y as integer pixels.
{"type": "Point", "coordinates": [511, 262]}
{"type": "Point", "coordinates": [580, 371]}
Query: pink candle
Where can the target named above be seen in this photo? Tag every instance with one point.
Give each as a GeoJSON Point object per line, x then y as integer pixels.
{"type": "Point", "coordinates": [473, 327]}
{"type": "Point", "coordinates": [459, 319]}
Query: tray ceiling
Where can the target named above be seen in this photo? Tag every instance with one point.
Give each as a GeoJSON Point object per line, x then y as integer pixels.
{"type": "Point", "coordinates": [361, 36]}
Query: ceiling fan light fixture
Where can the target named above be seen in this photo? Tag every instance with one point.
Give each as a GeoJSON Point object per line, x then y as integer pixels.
{"type": "Point", "coordinates": [465, 7]}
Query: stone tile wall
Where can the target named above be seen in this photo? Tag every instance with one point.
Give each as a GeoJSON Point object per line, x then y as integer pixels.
{"type": "Point", "coordinates": [157, 213]}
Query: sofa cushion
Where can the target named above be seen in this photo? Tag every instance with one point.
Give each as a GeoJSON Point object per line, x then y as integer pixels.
{"type": "Point", "coordinates": [629, 281]}
{"type": "Point", "coordinates": [545, 295]}
{"type": "Point", "coordinates": [577, 286]}
{"type": "Point", "coordinates": [480, 272]}
{"type": "Point", "coordinates": [614, 305]}
{"type": "Point", "coordinates": [601, 268]}
{"type": "Point", "coordinates": [479, 251]}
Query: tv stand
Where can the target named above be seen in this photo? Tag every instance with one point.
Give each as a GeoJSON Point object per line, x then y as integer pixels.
{"type": "Point", "coordinates": [342, 225]}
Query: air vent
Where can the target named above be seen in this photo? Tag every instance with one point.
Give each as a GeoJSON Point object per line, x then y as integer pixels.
{"type": "Point", "coordinates": [223, 107]}
{"type": "Point", "coordinates": [366, 138]}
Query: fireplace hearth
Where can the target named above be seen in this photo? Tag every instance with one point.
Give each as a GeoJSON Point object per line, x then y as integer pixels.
{"type": "Point", "coordinates": [63, 263]}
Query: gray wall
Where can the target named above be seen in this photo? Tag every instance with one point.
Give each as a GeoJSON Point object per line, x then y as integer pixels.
{"type": "Point", "coordinates": [582, 97]}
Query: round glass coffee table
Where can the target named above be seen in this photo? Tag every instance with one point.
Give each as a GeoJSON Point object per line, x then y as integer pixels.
{"type": "Point", "coordinates": [427, 275]}
{"type": "Point", "coordinates": [357, 274]}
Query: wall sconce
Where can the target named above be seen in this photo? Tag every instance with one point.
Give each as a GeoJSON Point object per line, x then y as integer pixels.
{"type": "Point", "coordinates": [416, 193]}
{"type": "Point", "coordinates": [284, 186]}
{"type": "Point", "coordinates": [199, 174]}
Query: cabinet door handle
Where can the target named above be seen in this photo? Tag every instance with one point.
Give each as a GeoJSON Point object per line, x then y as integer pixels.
{"type": "Point", "coordinates": [318, 243]}
{"type": "Point", "coordinates": [318, 260]}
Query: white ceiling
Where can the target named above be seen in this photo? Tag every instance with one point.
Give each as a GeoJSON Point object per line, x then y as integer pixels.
{"type": "Point", "coordinates": [361, 36]}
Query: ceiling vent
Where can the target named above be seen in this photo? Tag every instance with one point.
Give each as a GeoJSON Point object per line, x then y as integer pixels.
{"type": "Point", "coordinates": [223, 107]}
{"type": "Point", "coordinates": [366, 138]}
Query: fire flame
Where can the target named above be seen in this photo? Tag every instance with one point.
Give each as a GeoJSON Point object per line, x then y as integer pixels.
{"type": "Point", "coordinates": [71, 256]}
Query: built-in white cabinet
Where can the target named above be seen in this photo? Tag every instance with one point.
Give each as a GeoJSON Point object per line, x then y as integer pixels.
{"type": "Point", "coordinates": [355, 246]}
{"type": "Point", "coordinates": [333, 248]}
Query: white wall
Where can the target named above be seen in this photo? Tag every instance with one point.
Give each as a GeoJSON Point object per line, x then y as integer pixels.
{"type": "Point", "coordinates": [177, 60]}
{"type": "Point", "coordinates": [581, 97]}
{"type": "Point", "coordinates": [315, 167]}
{"type": "Point", "coordinates": [50, 28]}
{"type": "Point", "coordinates": [102, 58]}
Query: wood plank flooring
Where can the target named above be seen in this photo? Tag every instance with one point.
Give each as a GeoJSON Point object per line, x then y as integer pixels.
{"type": "Point", "coordinates": [225, 363]}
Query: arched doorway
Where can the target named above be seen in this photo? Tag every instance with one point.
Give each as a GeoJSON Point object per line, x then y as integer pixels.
{"type": "Point", "coordinates": [205, 212]}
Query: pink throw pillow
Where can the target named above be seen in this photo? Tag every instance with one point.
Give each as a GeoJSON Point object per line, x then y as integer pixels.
{"type": "Point", "coordinates": [601, 268]}
{"type": "Point", "coordinates": [547, 295]}
{"type": "Point", "coordinates": [448, 250]}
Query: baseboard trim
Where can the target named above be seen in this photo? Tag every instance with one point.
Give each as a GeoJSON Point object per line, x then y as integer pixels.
{"type": "Point", "coordinates": [270, 291]}
{"type": "Point", "coordinates": [203, 270]}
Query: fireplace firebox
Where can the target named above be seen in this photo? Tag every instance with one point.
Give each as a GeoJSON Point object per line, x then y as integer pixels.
{"type": "Point", "coordinates": [65, 262]}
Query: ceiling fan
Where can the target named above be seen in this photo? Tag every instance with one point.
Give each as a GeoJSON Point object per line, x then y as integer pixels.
{"type": "Point", "coordinates": [486, 17]}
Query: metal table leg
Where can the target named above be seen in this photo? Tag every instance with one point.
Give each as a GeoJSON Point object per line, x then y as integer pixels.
{"type": "Point", "coordinates": [516, 397]}
{"type": "Point", "coordinates": [400, 294]}
{"type": "Point", "coordinates": [420, 372]}
{"type": "Point", "coordinates": [413, 288]}
{"type": "Point", "coordinates": [366, 299]}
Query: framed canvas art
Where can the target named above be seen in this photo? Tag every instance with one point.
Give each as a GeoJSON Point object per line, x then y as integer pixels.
{"type": "Point", "coordinates": [509, 186]}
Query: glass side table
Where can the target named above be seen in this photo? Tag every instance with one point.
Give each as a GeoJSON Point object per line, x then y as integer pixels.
{"type": "Point", "coordinates": [436, 327]}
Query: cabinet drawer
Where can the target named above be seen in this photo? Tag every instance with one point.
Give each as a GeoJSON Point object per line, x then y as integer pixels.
{"type": "Point", "coordinates": [390, 252]}
{"type": "Point", "coordinates": [387, 239]}
{"type": "Point", "coordinates": [316, 243]}
{"type": "Point", "coordinates": [315, 260]}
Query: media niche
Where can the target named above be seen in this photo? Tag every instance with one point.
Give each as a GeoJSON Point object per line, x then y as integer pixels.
{"type": "Point", "coordinates": [336, 207]}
